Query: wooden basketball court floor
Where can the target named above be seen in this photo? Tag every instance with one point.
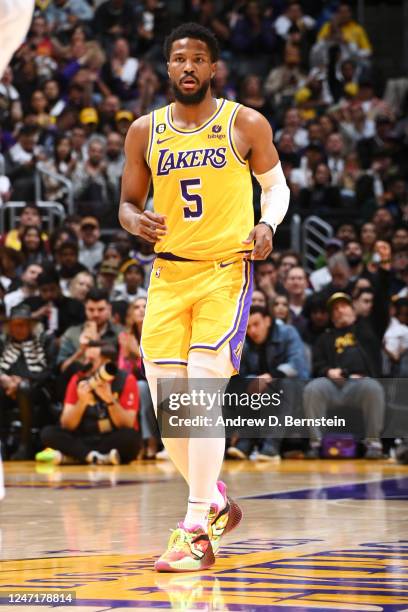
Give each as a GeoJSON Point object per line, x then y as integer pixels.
{"type": "Point", "coordinates": [323, 535]}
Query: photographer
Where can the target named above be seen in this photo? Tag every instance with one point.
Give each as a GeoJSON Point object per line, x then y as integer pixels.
{"type": "Point", "coordinates": [98, 424]}
{"type": "Point", "coordinates": [346, 358]}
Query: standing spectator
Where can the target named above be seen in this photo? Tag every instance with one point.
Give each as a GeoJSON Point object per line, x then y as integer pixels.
{"type": "Point", "coordinates": [26, 365]}
{"type": "Point", "coordinates": [22, 160]}
{"type": "Point", "coordinates": [90, 247]}
{"type": "Point", "coordinates": [345, 361]}
{"type": "Point", "coordinates": [98, 424]}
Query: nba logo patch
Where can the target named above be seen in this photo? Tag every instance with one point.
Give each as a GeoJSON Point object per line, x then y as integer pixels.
{"type": "Point", "coordinates": [161, 128]}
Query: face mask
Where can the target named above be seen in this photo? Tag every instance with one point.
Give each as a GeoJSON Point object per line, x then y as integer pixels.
{"type": "Point", "coordinates": [354, 260]}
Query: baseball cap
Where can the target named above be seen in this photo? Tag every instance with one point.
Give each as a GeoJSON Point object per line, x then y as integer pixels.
{"type": "Point", "coordinates": [336, 297]}
{"type": "Point", "coordinates": [88, 115]}
{"type": "Point", "coordinates": [334, 242]}
{"type": "Point", "coordinates": [89, 221]}
{"type": "Point", "coordinates": [124, 114]}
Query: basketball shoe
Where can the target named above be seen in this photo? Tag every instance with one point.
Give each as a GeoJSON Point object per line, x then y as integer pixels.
{"type": "Point", "coordinates": [223, 521]}
{"type": "Point", "coordinates": [188, 550]}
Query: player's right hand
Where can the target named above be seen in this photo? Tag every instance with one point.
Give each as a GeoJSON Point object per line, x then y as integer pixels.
{"type": "Point", "coordinates": [151, 226]}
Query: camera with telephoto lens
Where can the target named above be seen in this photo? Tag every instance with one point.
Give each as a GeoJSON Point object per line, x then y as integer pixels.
{"type": "Point", "coordinates": [106, 373]}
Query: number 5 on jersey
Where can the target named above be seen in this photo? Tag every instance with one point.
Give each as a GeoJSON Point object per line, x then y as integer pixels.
{"type": "Point", "coordinates": [195, 201]}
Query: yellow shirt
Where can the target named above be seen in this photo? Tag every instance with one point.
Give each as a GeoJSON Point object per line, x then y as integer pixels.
{"type": "Point", "coordinates": [13, 239]}
{"type": "Point", "coordinates": [352, 33]}
{"type": "Point", "coordinates": [202, 185]}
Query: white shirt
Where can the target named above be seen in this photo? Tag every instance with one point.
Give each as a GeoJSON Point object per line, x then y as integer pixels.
{"type": "Point", "coordinates": [396, 338]}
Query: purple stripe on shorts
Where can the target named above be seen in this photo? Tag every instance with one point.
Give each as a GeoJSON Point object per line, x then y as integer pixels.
{"type": "Point", "coordinates": [169, 362]}
{"type": "Point", "coordinates": [237, 341]}
{"type": "Point", "coordinates": [247, 291]}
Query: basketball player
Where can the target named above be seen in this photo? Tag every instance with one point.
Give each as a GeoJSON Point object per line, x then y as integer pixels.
{"type": "Point", "coordinates": [199, 152]}
{"type": "Point", "coordinates": [15, 18]}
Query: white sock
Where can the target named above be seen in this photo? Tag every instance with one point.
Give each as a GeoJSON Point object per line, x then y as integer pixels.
{"type": "Point", "coordinates": [177, 448]}
{"type": "Point", "coordinates": [197, 513]}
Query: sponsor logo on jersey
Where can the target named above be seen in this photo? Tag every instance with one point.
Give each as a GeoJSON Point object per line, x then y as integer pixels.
{"type": "Point", "coordinates": [170, 160]}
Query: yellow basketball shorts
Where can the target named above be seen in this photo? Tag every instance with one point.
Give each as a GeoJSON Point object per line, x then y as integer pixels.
{"type": "Point", "coordinates": [196, 306]}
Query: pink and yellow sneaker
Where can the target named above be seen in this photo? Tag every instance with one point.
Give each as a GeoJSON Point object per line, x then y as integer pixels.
{"type": "Point", "coordinates": [188, 550]}
{"type": "Point", "coordinates": [223, 521]}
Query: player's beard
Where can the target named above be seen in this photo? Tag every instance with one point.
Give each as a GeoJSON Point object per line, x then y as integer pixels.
{"type": "Point", "coordinates": [189, 99]}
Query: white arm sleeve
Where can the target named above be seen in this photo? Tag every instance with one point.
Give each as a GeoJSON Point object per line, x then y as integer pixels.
{"type": "Point", "coordinates": [275, 196]}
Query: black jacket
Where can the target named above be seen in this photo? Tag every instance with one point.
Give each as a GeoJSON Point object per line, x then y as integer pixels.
{"type": "Point", "coordinates": [329, 353]}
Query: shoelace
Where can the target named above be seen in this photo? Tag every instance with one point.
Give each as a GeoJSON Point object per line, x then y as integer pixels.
{"type": "Point", "coordinates": [178, 538]}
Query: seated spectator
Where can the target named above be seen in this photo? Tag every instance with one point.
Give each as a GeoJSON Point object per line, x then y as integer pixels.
{"type": "Point", "coordinates": [289, 260]}
{"type": "Point", "coordinates": [396, 339]}
{"type": "Point", "coordinates": [10, 267]}
{"type": "Point", "coordinates": [317, 317]}
{"type": "Point", "coordinates": [399, 241]}
{"type": "Point", "coordinates": [353, 252]}
{"type": "Point", "coordinates": [68, 264]}
{"type": "Point", "coordinates": [322, 198]}
{"type": "Point", "coordinates": [280, 309]}
{"type": "Point", "coordinates": [284, 80]}
{"type": "Point", "coordinates": [28, 288]}
{"type": "Point", "coordinates": [80, 286]}
{"type": "Point", "coordinates": [62, 163]}
{"type": "Point", "coordinates": [251, 95]}
{"type": "Point", "coordinates": [120, 71]}
{"type": "Point", "coordinates": [26, 365]}
{"type": "Point", "coordinates": [97, 326]}
{"type": "Point", "coordinates": [363, 301]}
{"type": "Point", "coordinates": [296, 286]}
{"type": "Point", "coordinates": [92, 186]}
{"type": "Point", "coordinates": [293, 21]}
{"type": "Point", "coordinates": [132, 287]}
{"type": "Point", "coordinates": [266, 278]}
{"type": "Point", "coordinates": [98, 424]}
{"type": "Point", "coordinates": [30, 215]}
{"type": "Point", "coordinates": [335, 150]}
{"type": "Point", "coordinates": [368, 237]}
{"type": "Point", "coordinates": [33, 247]}
{"type": "Point", "coordinates": [21, 163]}
{"type": "Point", "coordinates": [292, 124]}
{"type": "Point", "coordinates": [131, 361]}
{"type": "Point", "coordinates": [90, 247]}
{"type": "Point", "coordinates": [107, 275]}
{"type": "Point", "coordinates": [321, 276]}
{"type": "Point", "coordinates": [304, 176]}
{"type": "Point", "coordinates": [114, 18]}
{"type": "Point", "coordinates": [346, 359]}
{"type": "Point", "coordinates": [273, 351]}
{"type": "Point", "coordinates": [64, 14]}
{"type": "Point", "coordinates": [340, 276]}
{"type": "Point", "coordinates": [54, 310]}
{"type": "Point", "coordinates": [259, 298]}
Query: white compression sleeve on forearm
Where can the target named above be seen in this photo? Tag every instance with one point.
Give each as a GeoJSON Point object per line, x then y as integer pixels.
{"type": "Point", "coordinates": [275, 195]}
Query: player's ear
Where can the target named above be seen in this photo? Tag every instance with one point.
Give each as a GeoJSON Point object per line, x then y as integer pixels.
{"type": "Point", "coordinates": [168, 69]}
{"type": "Point", "coordinates": [213, 69]}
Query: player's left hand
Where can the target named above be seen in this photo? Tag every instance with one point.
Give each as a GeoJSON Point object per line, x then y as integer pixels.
{"type": "Point", "coordinates": [262, 235]}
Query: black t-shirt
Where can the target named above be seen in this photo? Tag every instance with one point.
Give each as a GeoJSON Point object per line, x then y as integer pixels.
{"type": "Point", "coordinates": [349, 353]}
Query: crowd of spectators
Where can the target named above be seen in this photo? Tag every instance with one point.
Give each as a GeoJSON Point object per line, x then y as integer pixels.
{"type": "Point", "coordinates": [87, 69]}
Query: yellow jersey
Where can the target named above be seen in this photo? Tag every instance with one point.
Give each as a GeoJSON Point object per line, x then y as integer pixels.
{"type": "Point", "coordinates": [201, 184]}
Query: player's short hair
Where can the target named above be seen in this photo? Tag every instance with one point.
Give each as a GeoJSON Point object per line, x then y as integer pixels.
{"type": "Point", "coordinates": [196, 31]}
